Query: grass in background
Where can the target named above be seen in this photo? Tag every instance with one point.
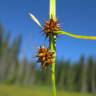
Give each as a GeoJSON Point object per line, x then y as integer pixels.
{"type": "Point", "coordinates": [16, 90]}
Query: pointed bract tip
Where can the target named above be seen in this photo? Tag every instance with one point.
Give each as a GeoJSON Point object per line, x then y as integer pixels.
{"type": "Point", "coordinates": [35, 19]}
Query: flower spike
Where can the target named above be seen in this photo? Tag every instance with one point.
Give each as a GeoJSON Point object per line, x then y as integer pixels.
{"type": "Point", "coordinates": [45, 57]}
{"type": "Point", "coordinates": [50, 27]}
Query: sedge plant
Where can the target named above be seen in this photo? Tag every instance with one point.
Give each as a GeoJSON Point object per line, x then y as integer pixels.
{"type": "Point", "coordinates": [47, 56]}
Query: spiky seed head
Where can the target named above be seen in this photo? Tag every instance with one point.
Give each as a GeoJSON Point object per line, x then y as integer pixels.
{"type": "Point", "coordinates": [50, 27]}
{"type": "Point", "coordinates": [45, 57]}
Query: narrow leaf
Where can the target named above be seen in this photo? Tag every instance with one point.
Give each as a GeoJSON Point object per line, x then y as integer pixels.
{"type": "Point", "coordinates": [76, 36]}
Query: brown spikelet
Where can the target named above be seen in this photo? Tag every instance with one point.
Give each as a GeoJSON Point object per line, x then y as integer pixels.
{"type": "Point", "coordinates": [45, 57]}
{"type": "Point", "coordinates": [51, 27]}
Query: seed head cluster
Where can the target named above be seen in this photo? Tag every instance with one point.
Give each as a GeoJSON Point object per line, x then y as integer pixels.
{"type": "Point", "coordinates": [45, 57]}
{"type": "Point", "coordinates": [51, 26]}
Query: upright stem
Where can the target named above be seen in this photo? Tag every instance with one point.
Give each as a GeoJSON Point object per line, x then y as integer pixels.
{"type": "Point", "coordinates": [52, 43]}
{"type": "Point", "coordinates": [52, 9]}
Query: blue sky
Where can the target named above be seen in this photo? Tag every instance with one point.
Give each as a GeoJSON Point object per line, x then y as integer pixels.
{"type": "Point", "coordinates": [75, 16]}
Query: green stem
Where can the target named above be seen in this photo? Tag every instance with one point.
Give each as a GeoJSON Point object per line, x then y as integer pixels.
{"type": "Point", "coordinates": [52, 43]}
{"type": "Point", "coordinates": [52, 9]}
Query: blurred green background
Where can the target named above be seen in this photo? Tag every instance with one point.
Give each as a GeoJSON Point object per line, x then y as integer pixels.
{"type": "Point", "coordinates": [28, 79]}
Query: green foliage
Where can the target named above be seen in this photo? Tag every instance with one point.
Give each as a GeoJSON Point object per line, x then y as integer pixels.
{"type": "Point", "coordinates": [76, 76]}
{"type": "Point", "coordinates": [9, 56]}
{"type": "Point", "coordinates": [1, 35]}
{"type": "Point", "coordinates": [10, 90]}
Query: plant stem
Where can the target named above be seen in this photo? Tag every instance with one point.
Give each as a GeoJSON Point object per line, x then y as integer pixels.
{"type": "Point", "coordinates": [52, 43]}
{"type": "Point", "coordinates": [52, 9]}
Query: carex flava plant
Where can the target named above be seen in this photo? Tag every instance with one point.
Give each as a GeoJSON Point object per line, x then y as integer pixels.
{"type": "Point", "coordinates": [51, 28]}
